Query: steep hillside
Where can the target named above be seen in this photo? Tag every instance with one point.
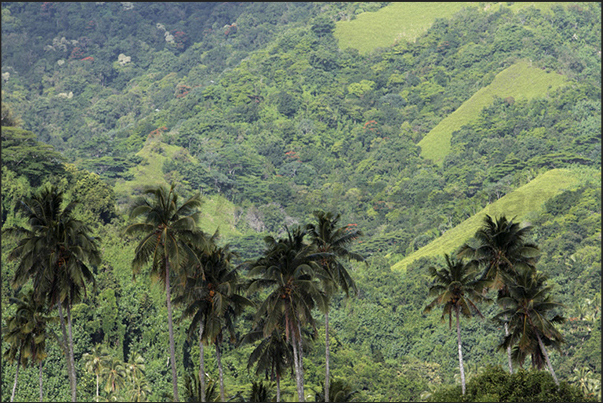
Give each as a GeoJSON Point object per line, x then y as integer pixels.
{"type": "Point", "coordinates": [520, 204]}
{"type": "Point", "coordinates": [519, 81]}
{"type": "Point", "coordinates": [273, 110]}
{"type": "Point", "coordinates": [407, 21]}
{"type": "Point", "coordinates": [395, 22]}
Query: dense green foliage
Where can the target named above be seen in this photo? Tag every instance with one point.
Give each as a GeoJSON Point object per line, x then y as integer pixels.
{"type": "Point", "coordinates": [258, 104]}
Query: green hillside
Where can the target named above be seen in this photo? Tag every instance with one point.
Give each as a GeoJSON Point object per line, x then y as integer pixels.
{"type": "Point", "coordinates": [519, 203]}
{"type": "Point", "coordinates": [398, 21]}
{"type": "Point", "coordinates": [270, 112]}
{"type": "Point", "coordinates": [520, 81]}
{"type": "Point", "coordinates": [407, 21]}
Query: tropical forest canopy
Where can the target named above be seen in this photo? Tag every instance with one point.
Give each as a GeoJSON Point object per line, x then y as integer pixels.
{"type": "Point", "coordinates": [412, 130]}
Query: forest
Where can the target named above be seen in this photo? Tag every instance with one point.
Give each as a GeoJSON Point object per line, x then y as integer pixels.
{"type": "Point", "coordinates": [222, 202]}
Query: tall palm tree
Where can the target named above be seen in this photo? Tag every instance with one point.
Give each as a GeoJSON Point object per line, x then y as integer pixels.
{"type": "Point", "coordinates": [289, 269]}
{"type": "Point", "coordinates": [115, 372]}
{"type": "Point", "coordinates": [25, 331]}
{"type": "Point", "coordinates": [502, 249]}
{"type": "Point", "coordinates": [169, 230]}
{"type": "Point", "coordinates": [457, 289]}
{"type": "Point", "coordinates": [341, 392]}
{"type": "Point", "coordinates": [193, 292]}
{"type": "Point", "coordinates": [213, 300]}
{"type": "Point", "coordinates": [55, 252]}
{"type": "Point", "coordinates": [329, 238]}
{"type": "Point", "coordinates": [527, 305]}
{"type": "Point", "coordinates": [135, 367]}
{"type": "Point", "coordinates": [95, 362]}
{"type": "Point", "coordinates": [272, 357]}
{"type": "Point", "coordinates": [227, 304]}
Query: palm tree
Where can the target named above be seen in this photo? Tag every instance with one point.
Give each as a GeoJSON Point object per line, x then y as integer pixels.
{"type": "Point", "coordinates": [502, 250]}
{"type": "Point", "coordinates": [527, 305]}
{"type": "Point", "coordinates": [457, 289]}
{"type": "Point", "coordinates": [95, 363]}
{"type": "Point", "coordinates": [194, 294]}
{"type": "Point", "coordinates": [340, 392]}
{"type": "Point", "coordinates": [272, 357]}
{"type": "Point", "coordinates": [213, 300]}
{"type": "Point", "coordinates": [290, 271]}
{"type": "Point", "coordinates": [25, 331]}
{"type": "Point", "coordinates": [169, 231]}
{"type": "Point", "coordinates": [226, 303]}
{"type": "Point", "coordinates": [135, 367]}
{"type": "Point", "coordinates": [139, 391]}
{"type": "Point", "coordinates": [54, 253]}
{"type": "Point", "coordinates": [328, 238]}
{"type": "Point", "coordinates": [115, 373]}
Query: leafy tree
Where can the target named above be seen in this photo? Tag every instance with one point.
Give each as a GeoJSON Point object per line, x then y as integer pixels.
{"type": "Point", "coordinates": [169, 230]}
{"type": "Point", "coordinates": [502, 249]}
{"type": "Point", "coordinates": [494, 384]}
{"type": "Point", "coordinates": [527, 305]}
{"type": "Point", "coordinates": [54, 253]}
{"type": "Point", "coordinates": [23, 154]}
{"type": "Point", "coordinates": [457, 289]}
{"type": "Point", "coordinates": [328, 238]}
{"type": "Point", "coordinates": [290, 271]}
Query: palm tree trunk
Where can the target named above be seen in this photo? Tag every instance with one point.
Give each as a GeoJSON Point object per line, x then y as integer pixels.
{"type": "Point", "coordinates": [508, 347]}
{"type": "Point", "coordinates": [97, 387]}
{"type": "Point", "coordinates": [458, 336]}
{"type": "Point", "coordinates": [327, 352]}
{"type": "Point", "coordinates": [171, 328]}
{"type": "Point", "coordinates": [300, 393]}
{"type": "Point", "coordinates": [12, 398]}
{"type": "Point", "coordinates": [546, 357]}
{"type": "Point", "coordinates": [218, 357]}
{"type": "Point", "coordinates": [300, 355]}
{"type": "Point", "coordinates": [66, 349]}
{"type": "Point", "coordinates": [278, 388]}
{"type": "Point", "coordinates": [296, 356]}
{"type": "Point", "coordinates": [41, 391]}
{"type": "Point", "coordinates": [201, 361]}
{"type": "Point", "coordinates": [71, 359]}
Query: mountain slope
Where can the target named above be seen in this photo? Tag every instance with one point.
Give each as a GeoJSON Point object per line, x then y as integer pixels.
{"type": "Point", "coordinates": [518, 81]}
{"type": "Point", "coordinates": [407, 21]}
{"type": "Point", "coordinates": [519, 203]}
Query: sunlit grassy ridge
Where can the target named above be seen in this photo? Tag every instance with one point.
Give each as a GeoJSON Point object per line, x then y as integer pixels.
{"type": "Point", "coordinates": [407, 21]}
{"type": "Point", "coordinates": [217, 211]}
{"type": "Point", "coordinates": [397, 21]}
{"type": "Point", "coordinates": [519, 204]}
{"type": "Point", "coordinates": [520, 81]}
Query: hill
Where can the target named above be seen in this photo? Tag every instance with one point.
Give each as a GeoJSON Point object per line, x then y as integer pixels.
{"type": "Point", "coordinates": [518, 81]}
{"type": "Point", "coordinates": [403, 21]}
{"type": "Point", "coordinates": [519, 204]}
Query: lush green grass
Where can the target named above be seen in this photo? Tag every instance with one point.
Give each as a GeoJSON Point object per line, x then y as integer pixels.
{"type": "Point", "coordinates": [519, 203]}
{"type": "Point", "coordinates": [397, 21]}
{"type": "Point", "coordinates": [218, 212]}
{"type": "Point", "coordinates": [407, 21]}
{"type": "Point", "coordinates": [520, 81]}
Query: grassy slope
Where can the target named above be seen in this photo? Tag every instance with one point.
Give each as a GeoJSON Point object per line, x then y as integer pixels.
{"type": "Point", "coordinates": [406, 21]}
{"type": "Point", "coordinates": [396, 21]}
{"type": "Point", "coordinates": [519, 81]}
{"type": "Point", "coordinates": [218, 212]}
{"type": "Point", "coordinates": [519, 204]}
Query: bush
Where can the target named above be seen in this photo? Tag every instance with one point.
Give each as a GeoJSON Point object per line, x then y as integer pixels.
{"type": "Point", "coordinates": [497, 385]}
